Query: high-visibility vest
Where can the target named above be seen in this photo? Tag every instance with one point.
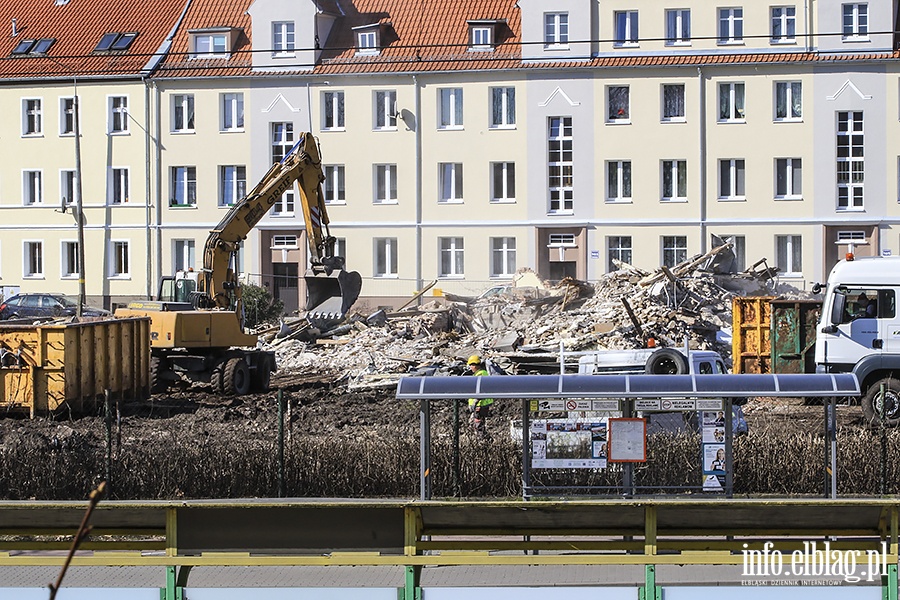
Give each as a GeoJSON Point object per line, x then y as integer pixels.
{"type": "Point", "coordinates": [484, 401]}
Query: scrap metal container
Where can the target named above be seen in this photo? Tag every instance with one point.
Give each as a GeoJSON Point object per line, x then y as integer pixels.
{"type": "Point", "coordinates": [774, 335]}
{"type": "Point", "coordinates": [49, 367]}
{"type": "Point", "coordinates": [750, 349]}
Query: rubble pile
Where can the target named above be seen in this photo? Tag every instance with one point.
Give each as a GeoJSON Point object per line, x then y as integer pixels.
{"type": "Point", "coordinates": [526, 328]}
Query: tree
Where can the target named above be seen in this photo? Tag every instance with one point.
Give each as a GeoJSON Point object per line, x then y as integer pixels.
{"type": "Point", "coordinates": [259, 306]}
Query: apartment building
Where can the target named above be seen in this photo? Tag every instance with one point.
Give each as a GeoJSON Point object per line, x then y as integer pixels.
{"type": "Point", "coordinates": [463, 141]}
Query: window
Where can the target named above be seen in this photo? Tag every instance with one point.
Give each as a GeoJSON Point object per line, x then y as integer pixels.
{"type": "Point", "coordinates": [118, 114]}
{"type": "Point", "coordinates": [334, 184]}
{"type": "Point", "coordinates": [183, 113]}
{"type": "Point", "coordinates": [67, 187]}
{"type": "Point", "coordinates": [283, 38]}
{"type": "Point", "coordinates": [481, 37]}
{"type": "Point", "coordinates": [232, 184]}
{"type": "Point", "coordinates": [367, 39]}
{"type": "Point", "coordinates": [28, 46]}
{"type": "Point", "coordinates": [731, 25]}
{"type": "Point", "coordinates": [452, 257]}
{"type": "Point", "coordinates": [556, 30]}
{"type": "Point", "coordinates": [385, 184]}
{"type": "Point", "coordinates": [284, 206]}
{"type": "Point", "coordinates": [210, 45]}
{"type": "Point", "coordinates": [69, 262]}
{"type": "Point", "coordinates": [856, 21]}
{"type": "Point", "coordinates": [788, 178]}
{"type": "Point", "coordinates": [503, 107]}
{"type": "Point", "coordinates": [32, 188]}
{"type": "Point", "coordinates": [678, 27]}
{"type": "Point", "coordinates": [731, 102]}
{"type": "Point", "coordinates": [34, 259]}
{"type": "Point", "coordinates": [66, 116]}
{"type": "Point", "coordinates": [450, 108]}
{"type": "Point", "coordinates": [673, 102]}
{"type": "Point", "coordinates": [282, 140]}
{"type": "Point", "coordinates": [789, 255]}
{"type": "Point", "coordinates": [183, 256]}
{"type": "Point", "coordinates": [503, 182]}
{"type": "Point", "coordinates": [333, 113]}
{"type": "Point", "coordinates": [31, 116]}
{"type": "Point", "coordinates": [503, 256]}
{"type": "Point", "coordinates": [618, 249]}
{"type": "Point", "coordinates": [118, 188]}
{"type": "Point", "coordinates": [451, 182]}
{"type": "Point", "coordinates": [617, 97]}
{"type": "Point", "coordinates": [232, 112]}
{"type": "Point", "coordinates": [119, 261]}
{"type": "Point", "coordinates": [285, 241]}
{"type": "Point", "coordinates": [731, 179]}
{"type": "Point", "coordinates": [115, 41]}
{"type": "Point", "coordinates": [738, 247]}
{"type": "Point", "coordinates": [784, 24]}
{"type": "Point", "coordinates": [560, 162]}
{"type": "Point", "coordinates": [626, 28]}
{"type": "Point", "coordinates": [850, 160]}
{"type": "Point", "coordinates": [385, 257]}
{"type": "Point", "coordinates": [385, 117]}
{"type": "Point", "coordinates": [618, 181]}
{"type": "Point", "coordinates": [184, 186]}
{"type": "Point", "coordinates": [788, 101]}
{"type": "Point", "coordinates": [674, 180]}
{"type": "Point", "coordinates": [674, 250]}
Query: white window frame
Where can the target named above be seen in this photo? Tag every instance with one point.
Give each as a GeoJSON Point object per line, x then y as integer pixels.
{"type": "Point", "coordinates": [333, 114]}
{"type": "Point", "coordinates": [284, 206]}
{"type": "Point", "coordinates": [556, 31]}
{"type": "Point", "coordinates": [674, 247]}
{"type": "Point", "coordinates": [183, 182]}
{"type": "Point", "coordinates": [663, 107]}
{"type": "Point", "coordinates": [32, 259]}
{"type": "Point", "coordinates": [503, 107]}
{"type": "Point", "coordinates": [785, 19]}
{"type": "Point", "coordinates": [32, 117]}
{"type": "Point", "coordinates": [481, 37]}
{"type": "Point", "coordinates": [232, 183]}
{"type": "Point", "coordinates": [616, 249]}
{"type": "Point", "coordinates": [731, 25]}
{"type": "Point", "coordinates": [857, 28]}
{"type": "Point", "coordinates": [784, 244]}
{"type": "Point", "coordinates": [619, 186]}
{"type": "Point", "coordinates": [67, 116]}
{"type": "Point", "coordinates": [452, 257]}
{"type": "Point", "coordinates": [32, 187]}
{"type": "Point", "coordinates": [117, 116]}
{"type": "Point", "coordinates": [626, 29]}
{"type": "Point", "coordinates": [730, 93]}
{"type": "Point", "coordinates": [209, 45]}
{"type": "Point", "coordinates": [68, 182]}
{"type": "Point", "coordinates": [385, 184]}
{"type": "Point", "coordinates": [285, 241]}
{"type": "Point", "coordinates": [334, 186]}
{"type": "Point", "coordinates": [787, 170]}
{"type": "Point", "coordinates": [386, 253]}
{"type": "Point", "coordinates": [450, 183]}
{"type": "Point", "coordinates": [232, 110]}
{"type": "Point", "coordinates": [184, 255]}
{"type": "Point", "coordinates": [503, 255]}
{"type": "Point", "coordinates": [450, 108]}
{"type": "Point", "coordinates": [673, 173]}
{"type": "Point", "coordinates": [283, 39]}
{"type": "Point", "coordinates": [850, 169]}
{"type": "Point", "coordinates": [561, 186]}
{"type": "Point", "coordinates": [736, 186]}
{"type": "Point", "coordinates": [183, 113]}
{"type": "Point", "coordinates": [281, 139]}
{"type": "Point", "coordinates": [384, 103]}
{"type": "Point", "coordinates": [785, 94]}
{"type": "Point", "coordinates": [367, 42]}
{"type": "Point", "coordinates": [503, 182]}
{"type": "Point", "coordinates": [119, 185]}
{"type": "Point", "coordinates": [620, 116]}
{"type": "Point", "coordinates": [68, 259]}
{"type": "Point", "coordinates": [119, 259]}
{"type": "Point", "coordinates": [678, 27]}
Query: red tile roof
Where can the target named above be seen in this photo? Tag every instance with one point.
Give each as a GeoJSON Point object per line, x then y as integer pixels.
{"type": "Point", "coordinates": [77, 26]}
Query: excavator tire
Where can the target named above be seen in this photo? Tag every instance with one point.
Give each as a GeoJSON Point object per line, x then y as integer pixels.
{"type": "Point", "coordinates": [236, 377]}
{"type": "Point", "coordinates": [263, 376]}
{"type": "Point", "coordinates": [157, 383]}
{"type": "Point", "coordinates": [217, 377]}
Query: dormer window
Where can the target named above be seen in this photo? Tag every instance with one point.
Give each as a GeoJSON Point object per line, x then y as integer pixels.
{"type": "Point", "coordinates": [482, 35]}
{"type": "Point", "coordinates": [40, 46]}
{"type": "Point", "coordinates": [115, 42]}
{"type": "Point", "coordinates": [368, 39]}
{"type": "Point", "coordinates": [212, 43]}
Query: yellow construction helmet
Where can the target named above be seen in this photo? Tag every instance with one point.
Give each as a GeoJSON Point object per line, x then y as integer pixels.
{"type": "Point", "coordinates": [474, 360]}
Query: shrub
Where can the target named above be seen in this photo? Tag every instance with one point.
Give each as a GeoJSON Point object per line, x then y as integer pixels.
{"type": "Point", "coordinates": [259, 306]}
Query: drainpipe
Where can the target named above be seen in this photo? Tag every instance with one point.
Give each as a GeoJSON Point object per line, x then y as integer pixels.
{"type": "Point", "coordinates": [702, 149]}
{"type": "Point", "coordinates": [147, 187]}
{"type": "Point", "coordinates": [159, 194]}
{"type": "Point", "coordinates": [418, 183]}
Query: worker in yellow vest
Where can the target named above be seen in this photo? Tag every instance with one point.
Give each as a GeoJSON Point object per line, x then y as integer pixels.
{"type": "Point", "coordinates": [479, 410]}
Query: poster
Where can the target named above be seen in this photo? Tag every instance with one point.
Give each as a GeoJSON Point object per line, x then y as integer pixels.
{"type": "Point", "coordinates": [578, 443]}
{"type": "Point", "coordinates": [713, 453]}
{"type": "Point", "coordinates": [628, 440]}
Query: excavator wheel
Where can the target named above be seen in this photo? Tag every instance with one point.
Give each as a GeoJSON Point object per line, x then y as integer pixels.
{"type": "Point", "coordinates": [157, 383]}
{"type": "Point", "coordinates": [236, 377]}
{"type": "Point", "coordinates": [217, 377]}
{"type": "Point", "coordinates": [263, 376]}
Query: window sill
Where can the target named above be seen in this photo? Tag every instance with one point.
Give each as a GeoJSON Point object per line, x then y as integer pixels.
{"type": "Point", "coordinates": [502, 127]}
{"type": "Point", "coordinates": [325, 129]}
{"type": "Point", "coordinates": [391, 128]}
{"type": "Point", "coordinates": [183, 132]}
{"type": "Point", "coordinates": [852, 209]}
{"type": "Point", "coordinates": [790, 276]}
{"type": "Point", "coordinates": [284, 215]}
{"type": "Point", "coordinates": [290, 54]}
{"type": "Point", "coordinates": [451, 277]}
{"type": "Point", "coordinates": [237, 130]}
{"type": "Point", "coordinates": [32, 135]}
{"type": "Point", "coordinates": [556, 47]}
{"type": "Point", "coordinates": [619, 201]}
{"type": "Point", "coordinates": [503, 200]}
{"type": "Point", "coordinates": [732, 198]}
{"type": "Point", "coordinates": [785, 42]}
{"type": "Point", "coordinates": [450, 128]}
{"type": "Point", "coordinates": [118, 133]}
{"type": "Point", "coordinates": [676, 200]}
{"type": "Point", "coordinates": [385, 202]}
{"type": "Point", "coordinates": [673, 120]}
{"type": "Point", "coordinates": [789, 120]}
{"type": "Point", "coordinates": [730, 42]}
{"type": "Point", "coordinates": [34, 277]}
{"type": "Point", "coordinates": [560, 213]}
{"type": "Point", "coordinates": [682, 44]}
{"type": "Point", "coordinates": [383, 276]}
{"type": "Point", "coordinates": [618, 122]}
{"type": "Point", "coordinates": [182, 206]}
{"type": "Point", "coordinates": [335, 203]}
{"type": "Point", "coordinates": [450, 201]}
{"type": "Point", "coordinates": [731, 121]}
{"type": "Point", "coordinates": [788, 198]}
{"type": "Point", "coordinates": [124, 277]}
{"type": "Point", "coordinates": [856, 40]}
{"type": "Point", "coordinates": [626, 45]}
{"type": "Point", "coordinates": [66, 134]}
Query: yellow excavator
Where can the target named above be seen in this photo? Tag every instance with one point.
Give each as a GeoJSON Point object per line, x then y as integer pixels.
{"type": "Point", "coordinates": [196, 322]}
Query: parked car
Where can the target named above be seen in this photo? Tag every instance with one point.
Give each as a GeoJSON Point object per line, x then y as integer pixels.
{"type": "Point", "coordinates": [23, 306]}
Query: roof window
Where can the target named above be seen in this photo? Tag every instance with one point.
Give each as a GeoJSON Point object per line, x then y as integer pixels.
{"type": "Point", "coordinates": [31, 46]}
{"type": "Point", "coordinates": [213, 43]}
{"type": "Point", "coordinates": [482, 34]}
{"type": "Point", "coordinates": [368, 38]}
{"type": "Point", "coordinates": [115, 41]}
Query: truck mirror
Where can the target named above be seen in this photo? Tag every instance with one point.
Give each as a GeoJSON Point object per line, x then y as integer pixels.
{"type": "Point", "coordinates": [837, 308]}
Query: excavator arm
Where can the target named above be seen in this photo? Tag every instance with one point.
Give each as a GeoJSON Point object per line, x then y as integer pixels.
{"type": "Point", "coordinates": [330, 289]}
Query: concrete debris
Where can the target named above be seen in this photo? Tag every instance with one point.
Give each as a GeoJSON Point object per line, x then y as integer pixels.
{"type": "Point", "coordinates": [526, 329]}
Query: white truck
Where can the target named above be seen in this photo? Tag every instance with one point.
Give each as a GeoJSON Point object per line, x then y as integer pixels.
{"type": "Point", "coordinates": [859, 332]}
{"type": "Point", "coordinates": [654, 361]}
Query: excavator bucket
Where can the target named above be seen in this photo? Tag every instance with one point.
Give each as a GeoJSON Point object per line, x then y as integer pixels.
{"type": "Point", "coordinates": [330, 296]}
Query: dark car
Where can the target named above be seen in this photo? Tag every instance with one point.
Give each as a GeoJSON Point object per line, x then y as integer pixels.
{"type": "Point", "coordinates": [45, 305]}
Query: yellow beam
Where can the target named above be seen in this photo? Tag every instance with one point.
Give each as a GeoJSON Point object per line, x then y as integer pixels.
{"type": "Point", "coordinates": [171, 531]}
{"type": "Point", "coordinates": [650, 530]}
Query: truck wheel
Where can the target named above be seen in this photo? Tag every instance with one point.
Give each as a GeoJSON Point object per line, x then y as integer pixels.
{"type": "Point", "coordinates": [874, 405]}
{"type": "Point", "coordinates": [236, 377]}
{"type": "Point", "coordinates": [157, 382]}
{"type": "Point", "coordinates": [263, 375]}
{"type": "Point", "coordinates": [217, 377]}
{"type": "Point", "coordinates": [666, 361]}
